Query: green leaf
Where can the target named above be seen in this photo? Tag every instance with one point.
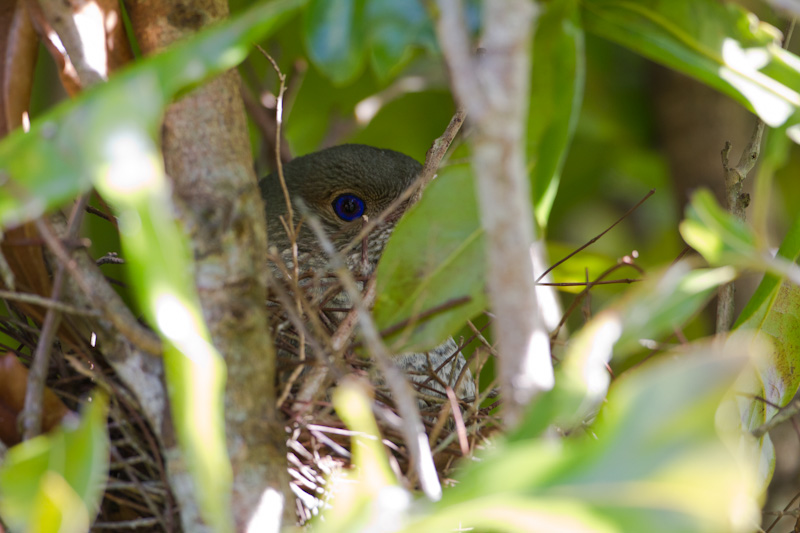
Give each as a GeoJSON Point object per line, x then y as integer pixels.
{"type": "Point", "coordinates": [557, 81]}
{"type": "Point", "coordinates": [394, 28]}
{"type": "Point", "coordinates": [722, 239]}
{"type": "Point", "coordinates": [66, 149]}
{"type": "Point", "coordinates": [718, 43]}
{"type": "Point", "coordinates": [773, 314]}
{"type": "Point", "coordinates": [434, 257]}
{"type": "Point", "coordinates": [334, 36]}
{"type": "Point", "coordinates": [662, 303]}
{"type": "Point", "coordinates": [54, 482]}
{"type": "Point", "coordinates": [652, 309]}
{"type": "Point", "coordinates": [653, 462]}
{"type": "Point", "coordinates": [367, 497]}
{"type": "Point", "coordinates": [108, 137]}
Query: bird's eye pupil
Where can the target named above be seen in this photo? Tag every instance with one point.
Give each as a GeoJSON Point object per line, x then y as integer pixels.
{"type": "Point", "coordinates": [348, 207]}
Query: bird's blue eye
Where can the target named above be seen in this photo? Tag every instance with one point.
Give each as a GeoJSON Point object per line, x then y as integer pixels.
{"type": "Point", "coordinates": [348, 207]}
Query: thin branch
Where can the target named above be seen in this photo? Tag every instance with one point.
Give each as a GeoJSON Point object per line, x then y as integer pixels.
{"type": "Point", "coordinates": [737, 203]}
{"type": "Point", "coordinates": [494, 89]}
{"type": "Point", "coordinates": [114, 310]}
{"type": "Point", "coordinates": [420, 317]}
{"type": "Point", "coordinates": [412, 427]}
{"type": "Point", "coordinates": [437, 151]}
{"type": "Point", "coordinates": [784, 414]}
{"type": "Point", "coordinates": [34, 393]}
{"type": "Point", "coordinates": [47, 303]}
{"type": "Point", "coordinates": [597, 237]}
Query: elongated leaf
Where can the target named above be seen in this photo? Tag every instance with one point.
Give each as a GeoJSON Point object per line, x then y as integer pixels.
{"type": "Point", "coordinates": [435, 257]}
{"type": "Point", "coordinates": [334, 35]}
{"type": "Point", "coordinates": [54, 482]}
{"type": "Point", "coordinates": [369, 496]}
{"type": "Point", "coordinates": [394, 28]}
{"type": "Point", "coordinates": [662, 303]}
{"type": "Point", "coordinates": [773, 314]}
{"type": "Point", "coordinates": [724, 240]}
{"type": "Point", "coordinates": [62, 154]}
{"type": "Point", "coordinates": [557, 81]}
{"type": "Point", "coordinates": [108, 138]}
{"type": "Point", "coordinates": [654, 463]}
{"type": "Point", "coordinates": [718, 43]}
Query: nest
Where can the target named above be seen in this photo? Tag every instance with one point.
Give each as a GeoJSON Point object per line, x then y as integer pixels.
{"type": "Point", "coordinates": [138, 497]}
{"type": "Point", "coordinates": [307, 330]}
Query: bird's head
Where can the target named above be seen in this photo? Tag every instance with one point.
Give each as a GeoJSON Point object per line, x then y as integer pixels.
{"type": "Point", "coordinates": [339, 186]}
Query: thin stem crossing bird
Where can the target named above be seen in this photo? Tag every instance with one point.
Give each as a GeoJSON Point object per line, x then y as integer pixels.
{"type": "Point", "coordinates": [343, 187]}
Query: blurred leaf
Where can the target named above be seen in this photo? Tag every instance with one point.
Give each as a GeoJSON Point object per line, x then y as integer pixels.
{"type": "Point", "coordinates": [434, 257]}
{"type": "Point", "coordinates": [662, 303]}
{"type": "Point", "coordinates": [54, 482]}
{"type": "Point", "coordinates": [394, 28]}
{"type": "Point", "coordinates": [369, 497]}
{"type": "Point", "coordinates": [581, 383]}
{"type": "Point", "coordinates": [62, 154]}
{"type": "Point", "coordinates": [557, 81]}
{"type": "Point", "coordinates": [650, 310]}
{"type": "Point", "coordinates": [718, 43]}
{"type": "Point", "coordinates": [108, 137]}
{"type": "Point", "coordinates": [334, 34]}
{"type": "Point", "coordinates": [773, 314]}
{"type": "Point", "coordinates": [724, 240]}
{"type": "Point", "coordinates": [656, 463]}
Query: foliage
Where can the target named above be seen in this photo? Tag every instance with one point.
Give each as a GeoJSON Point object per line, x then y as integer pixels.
{"type": "Point", "coordinates": [652, 458]}
{"type": "Point", "coordinates": [108, 138]}
{"type": "Point", "coordinates": [54, 482]}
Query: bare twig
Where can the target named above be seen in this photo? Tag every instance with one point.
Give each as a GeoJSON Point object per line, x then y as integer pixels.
{"type": "Point", "coordinates": [436, 153]}
{"type": "Point", "coordinates": [737, 203]}
{"type": "Point", "coordinates": [47, 303]}
{"type": "Point", "coordinates": [32, 414]}
{"type": "Point", "coordinates": [461, 431]}
{"type": "Point", "coordinates": [597, 237]}
{"type": "Point", "coordinates": [112, 307]}
{"type": "Point", "coordinates": [784, 414]}
{"type": "Point", "coordinates": [412, 427]}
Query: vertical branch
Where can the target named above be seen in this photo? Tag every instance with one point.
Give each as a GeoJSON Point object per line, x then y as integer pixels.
{"type": "Point", "coordinates": [207, 156]}
{"type": "Point", "coordinates": [737, 203]}
{"type": "Point", "coordinates": [495, 90]}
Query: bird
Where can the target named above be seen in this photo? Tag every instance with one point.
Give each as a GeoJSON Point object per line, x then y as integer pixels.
{"type": "Point", "coordinates": [343, 186]}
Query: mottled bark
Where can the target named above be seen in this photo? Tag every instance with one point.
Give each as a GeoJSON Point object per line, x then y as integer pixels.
{"type": "Point", "coordinates": [208, 159]}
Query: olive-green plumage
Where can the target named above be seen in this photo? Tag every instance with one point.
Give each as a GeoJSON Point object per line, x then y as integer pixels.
{"type": "Point", "coordinates": [377, 177]}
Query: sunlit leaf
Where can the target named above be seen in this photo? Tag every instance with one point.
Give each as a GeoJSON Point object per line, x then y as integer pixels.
{"type": "Point", "coordinates": [773, 314]}
{"type": "Point", "coordinates": [109, 138]}
{"type": "Point", "coordinates": [66, 149]}
{"type": "Point", "coordinates": [664, 302]}
{"type": "Point", "coordinates": [653, 462]}
{"type": "Point", "coordinates": [56, 480]}
{"type": "Point", "coordinates": [719, 43]}
{"type": "Point", "coordinates": [557, 81]}
{"type": "Point", "coordinates": [724, 240]}
{"type": "Point", "coordinates": [434, 258]}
